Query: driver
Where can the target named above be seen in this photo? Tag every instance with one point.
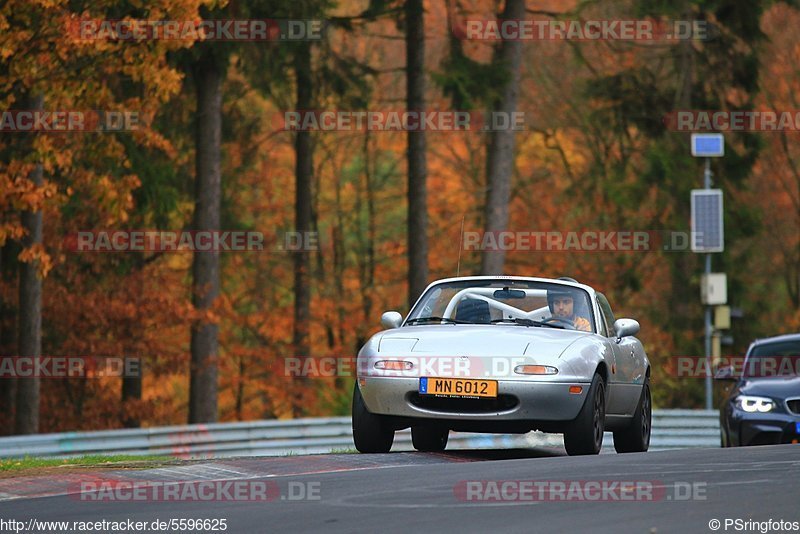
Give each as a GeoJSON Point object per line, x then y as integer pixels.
{"type": "Point", "coordinates": [561, 303]}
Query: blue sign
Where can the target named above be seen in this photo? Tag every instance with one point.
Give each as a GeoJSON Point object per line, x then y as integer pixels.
{"type": "Point", "coordinates": [708, 145]}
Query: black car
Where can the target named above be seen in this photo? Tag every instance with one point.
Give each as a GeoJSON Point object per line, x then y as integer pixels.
{"type": "Point", "coordinates": [762, 406]}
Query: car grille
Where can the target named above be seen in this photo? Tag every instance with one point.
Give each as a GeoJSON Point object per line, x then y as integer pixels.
{"type": "Point", "coordinates": [454, 405]}
{"type": "Point", "coordinates": [793, 405]}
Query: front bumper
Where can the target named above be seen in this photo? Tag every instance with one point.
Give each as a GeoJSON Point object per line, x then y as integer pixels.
{"type": "Point", "coordinates": [518, 400]}
{"type": "Point", "coordinates": [765, 429]}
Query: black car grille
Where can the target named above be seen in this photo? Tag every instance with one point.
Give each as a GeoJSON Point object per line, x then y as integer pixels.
{"type": "Point", "coordinates": [455, 405]}
{"type": "Point", "coordinates": [794, 406]}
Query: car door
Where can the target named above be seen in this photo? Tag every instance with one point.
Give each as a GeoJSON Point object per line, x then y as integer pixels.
{"type": "Point", "coordinates": [615, 397]}
{"type": "Point", "coordinates": [631, 365]}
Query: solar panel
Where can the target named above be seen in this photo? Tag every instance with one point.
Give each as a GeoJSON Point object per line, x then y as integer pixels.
{"type": "Point", "coordinates": [707, 227]}
{"type": "Point", "coordinates": [708, 145]}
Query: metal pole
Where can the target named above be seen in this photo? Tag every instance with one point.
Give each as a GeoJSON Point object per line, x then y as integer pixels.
{"type": "Point", "coordinates": [709, 331]}
{"type": "Point", "coordinates": [708, 327]}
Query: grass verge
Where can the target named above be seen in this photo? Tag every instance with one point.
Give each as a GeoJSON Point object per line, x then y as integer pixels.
{"type": "Point", "coordinates": [96, 460]}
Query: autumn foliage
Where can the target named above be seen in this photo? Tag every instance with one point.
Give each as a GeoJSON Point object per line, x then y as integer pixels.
{"type": "Point", "coordinates": [578, 165]}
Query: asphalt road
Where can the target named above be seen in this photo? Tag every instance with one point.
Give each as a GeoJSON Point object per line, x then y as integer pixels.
{"type": "Point", "coordinates": [416, 492]}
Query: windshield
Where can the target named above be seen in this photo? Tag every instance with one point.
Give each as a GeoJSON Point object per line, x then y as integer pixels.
{"type": "Point", "coordinates": [781, 359]}
{"type": "Point", "coordinates": [514, 302]}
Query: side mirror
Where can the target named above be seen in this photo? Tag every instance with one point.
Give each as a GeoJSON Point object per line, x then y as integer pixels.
{"type": "Point", "coordinates": [391, 319]}
{"type": "Point", "coordinates": [626, 327]}
{"type": "Point", "coordinates": [725, 372]}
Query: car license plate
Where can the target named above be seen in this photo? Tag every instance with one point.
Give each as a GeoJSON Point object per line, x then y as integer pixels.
{"type": "Point", "coordinates": [457, 387]}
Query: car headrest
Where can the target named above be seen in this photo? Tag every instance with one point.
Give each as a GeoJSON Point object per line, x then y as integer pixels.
{"type": "Point", "coordinates": [473, 311]}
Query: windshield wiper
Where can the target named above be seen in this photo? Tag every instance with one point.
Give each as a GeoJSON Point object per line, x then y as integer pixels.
{"type": "Point", "coordinates": [527, 322]}
{"type": "Point", "coordinates": [434, 320]}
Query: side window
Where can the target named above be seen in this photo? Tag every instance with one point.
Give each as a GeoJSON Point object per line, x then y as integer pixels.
{"type": "Point", "coordinates": [608, 317]}
{"type": "Point", "coordinates": [602, 327]}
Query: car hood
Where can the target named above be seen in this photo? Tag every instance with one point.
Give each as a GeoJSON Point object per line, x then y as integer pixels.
{"type": "Point", "coordinates": [478, 340]}
{"type": "Point", "coordinates": [776, 387]}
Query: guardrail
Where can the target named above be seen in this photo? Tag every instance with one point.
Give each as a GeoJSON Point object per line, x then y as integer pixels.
{"type": "Point", "coordinates": [671, 429]}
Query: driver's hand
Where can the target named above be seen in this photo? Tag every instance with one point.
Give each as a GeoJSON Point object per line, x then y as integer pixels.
{"type": "Point", "coordinates": [563, 319]}
{"type": "Point", "coordinates": [582, 324]}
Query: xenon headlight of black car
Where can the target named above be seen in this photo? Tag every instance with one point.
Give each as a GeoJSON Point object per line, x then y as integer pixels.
{"type": "Point", "coordinates": [753, 404]}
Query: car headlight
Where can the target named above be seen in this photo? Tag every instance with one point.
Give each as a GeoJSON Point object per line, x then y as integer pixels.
{"type": "Point", "coordinates": [750, 404]}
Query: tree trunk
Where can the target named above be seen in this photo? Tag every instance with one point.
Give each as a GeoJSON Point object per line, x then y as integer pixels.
{"type": "Point", "coordinates": [30, 311]}
{"type": "Point", "coordinates": [8, 337]}
{"type": "Point", "coordinates": [131, 394]}
{"type": "Point", "coordinates": [208, 76]}
{"type": "Point", "coordinates": [682, 299]}
{"type": "Point", "coordinates": [417, 162]}
{"type": "Point", "coordinates": [302, 214]}
{"type": "Point", "coordinates": [500, 153]}
{"type": "Point", "coordinates": [372, 231]}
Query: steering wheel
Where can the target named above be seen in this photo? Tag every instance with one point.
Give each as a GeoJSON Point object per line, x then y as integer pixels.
{"type": "Point", "coordinates": [558, 321]}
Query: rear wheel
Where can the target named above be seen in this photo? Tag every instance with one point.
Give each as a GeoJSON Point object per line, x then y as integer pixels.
{"type": "Point", "coordinates": [636, 438]}
{"type": "Point", "coordinates": [429, 438]}
{"type": "Point", "coordinates": [371, 432]}
{"type": "Point", "coordinates": [585, 433]}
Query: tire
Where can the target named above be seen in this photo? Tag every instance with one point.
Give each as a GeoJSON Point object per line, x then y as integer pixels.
{"type": "Point", "coordinates": [429, 438]}
{"type": "Point", "coordinates": [585, 434]}
{"type": "Point", "coordinates": [724, 437]}
{"type": "Point", "coordinates": [636, 438]}
{"type": "Point", "coordinates": [371, 432]}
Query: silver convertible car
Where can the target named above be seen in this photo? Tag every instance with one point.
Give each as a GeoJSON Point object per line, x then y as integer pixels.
{"type": "Point", "coordinates": [504, 354]}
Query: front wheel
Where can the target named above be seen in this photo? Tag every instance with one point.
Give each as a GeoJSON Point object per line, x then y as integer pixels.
{"type": "Point", "coordinates": [636, 438]}
{"type": "Point", "coordinates": [429, 438]}
{"type": "Point", "coordinates": [371, 432]}
{"type": "Point", "coordinates": [724, 437]}
{"type": "Point", "coordinates": [585, 433]}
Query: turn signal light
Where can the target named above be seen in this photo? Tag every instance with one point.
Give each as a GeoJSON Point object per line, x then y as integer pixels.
{"type": "Point", "coordinates": [394, 365]}
{"type": "Point", "coordinates": [535, 370]}
{"type": "Point", "coordinates": [575, 390]}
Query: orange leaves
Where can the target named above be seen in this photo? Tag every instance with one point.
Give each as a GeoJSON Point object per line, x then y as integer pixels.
{"type": "Point", "coordinates": [10, 230]}
{"type": "Point", "coordinates": [20, 193]}
{"type": "Point", "coordinates": [37, 253]}
{"type": "Point", "coordinates": [30, 197]}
